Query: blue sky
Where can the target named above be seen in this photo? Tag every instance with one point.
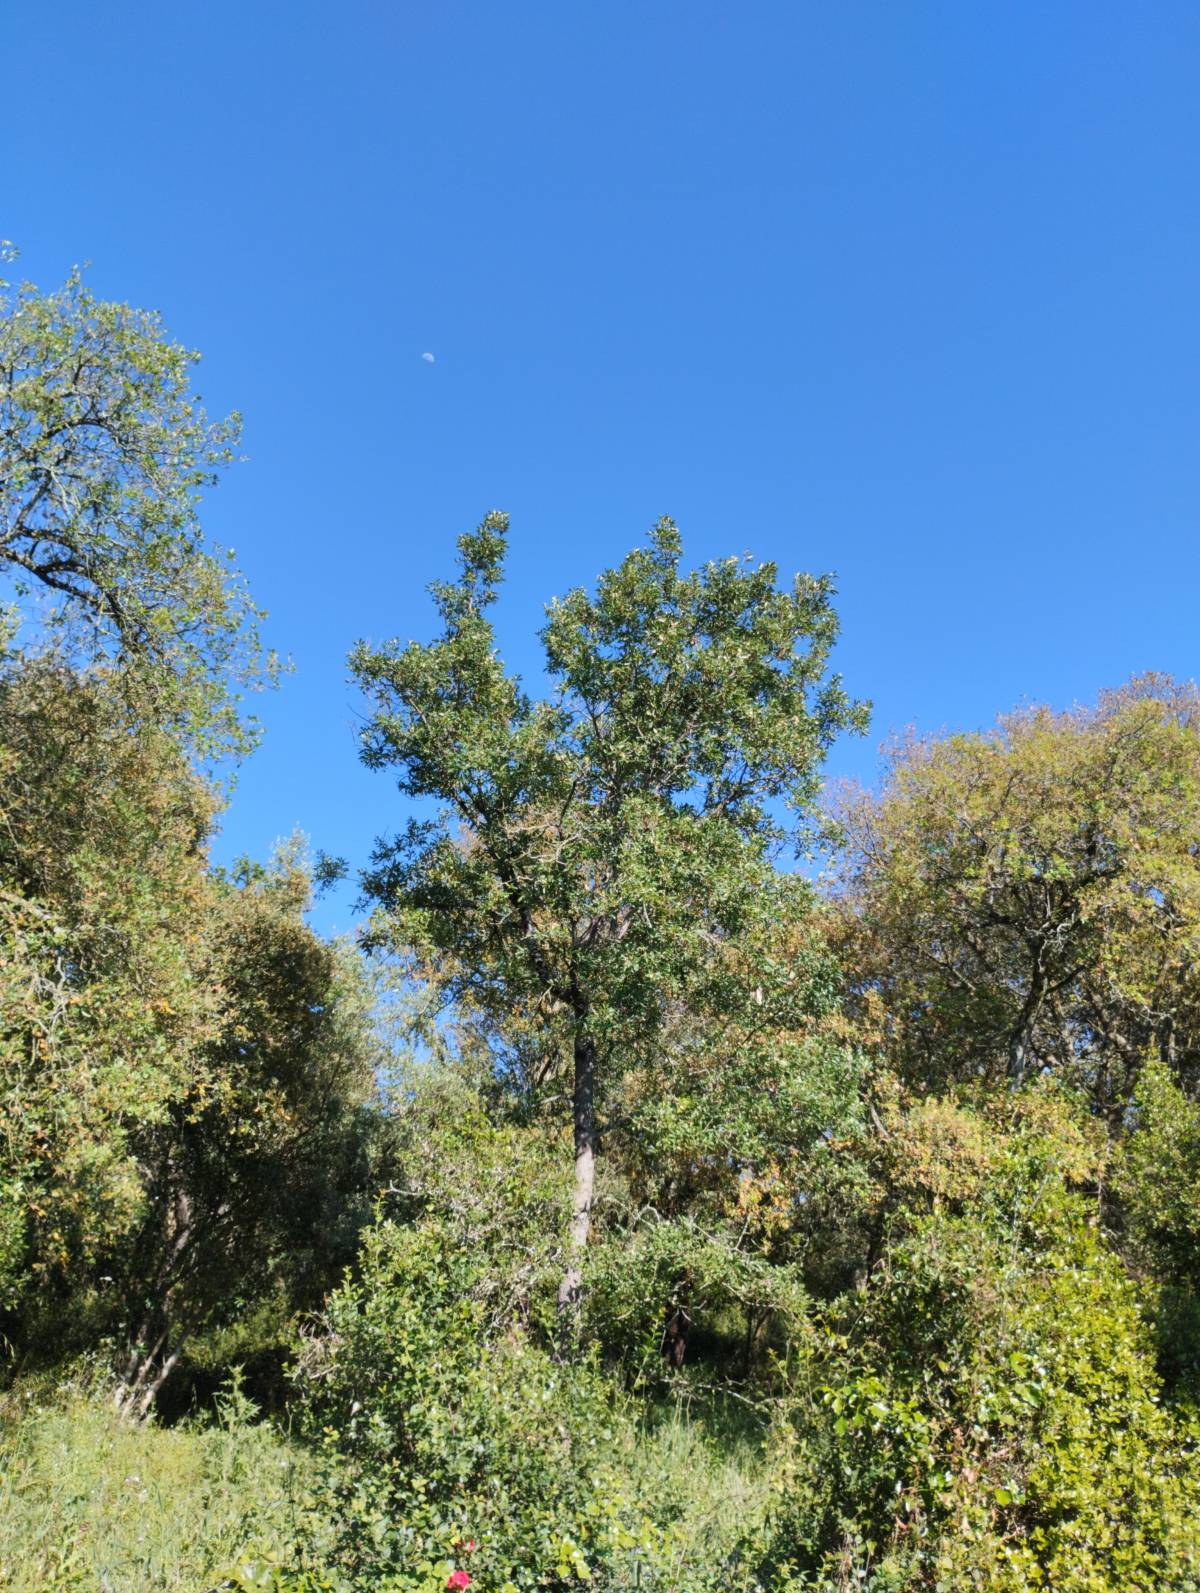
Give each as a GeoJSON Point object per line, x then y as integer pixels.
{"type": "Point", "coordinates": [906, 291]}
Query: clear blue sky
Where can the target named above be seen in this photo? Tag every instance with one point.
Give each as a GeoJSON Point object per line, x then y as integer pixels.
{"type": "Point", "coordinates": [908, 291]}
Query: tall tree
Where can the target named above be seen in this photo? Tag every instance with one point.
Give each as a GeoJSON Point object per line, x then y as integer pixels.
{"type": "Point", "coordinates": [186, 1070]}
{"type": "Point", "coordinates": [102, 833]}
{"type": "Point", "coordinates": [104, 452]}
{"type": "Point", "coordinates": [1028, 900]}
{"type": "Point", "coordinates": [255, 1179]}
{"type": "Point", "coordinates": [606, 852]}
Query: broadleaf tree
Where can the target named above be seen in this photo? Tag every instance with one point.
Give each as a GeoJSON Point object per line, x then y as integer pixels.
{"type": "Point", "coordinates": [105, 450]}
{"type": "Point", "coordinates": [602, 853]}
{"type": "Point", "coordinates": [187, 1071]}
{"type": "Point", "coordinates": [1027, 900]}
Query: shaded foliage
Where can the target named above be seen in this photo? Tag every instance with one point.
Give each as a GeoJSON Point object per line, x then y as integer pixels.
{"type": "Point", "coordinates": [186, 1068]}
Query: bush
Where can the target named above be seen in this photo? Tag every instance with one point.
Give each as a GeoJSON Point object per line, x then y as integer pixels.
{"type": "Point", "coordinates": [462, 1441]}
{"type": "Point", "coordinates": [989, 1414]}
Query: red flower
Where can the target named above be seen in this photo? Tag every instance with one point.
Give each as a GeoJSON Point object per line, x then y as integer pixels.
{"type": "Point", "coordinates": [457, 1579]}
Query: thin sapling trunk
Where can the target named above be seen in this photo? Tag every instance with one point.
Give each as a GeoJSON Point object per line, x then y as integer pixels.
{"type": "Point", "coordinates": [584, 1122]}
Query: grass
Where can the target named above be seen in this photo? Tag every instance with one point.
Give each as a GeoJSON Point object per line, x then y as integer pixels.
{"type": "Point", "coordinates": [90, 1501]}
{"type": "Point", "coordinates": [705, 1455]}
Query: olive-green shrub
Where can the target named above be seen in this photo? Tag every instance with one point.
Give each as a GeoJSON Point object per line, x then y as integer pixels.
{"type": "Point", "coordinates": [988, 1412]}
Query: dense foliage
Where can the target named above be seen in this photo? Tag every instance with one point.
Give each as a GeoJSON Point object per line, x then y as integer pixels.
{"type": "Point", "coordinates": [623, 1209]}
{"type": "Point", "coordinates": [1029, 900]}
{"type": "Point", "coordinates": [104, 449]}
{"type": "Point", "coordinates": [612, 866]}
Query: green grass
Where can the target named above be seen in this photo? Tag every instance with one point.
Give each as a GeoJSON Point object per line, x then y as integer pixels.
{"type": "Point", "coordinates": [704, 1458]}
{"type": "Point", "coordinates": [90, 1501]}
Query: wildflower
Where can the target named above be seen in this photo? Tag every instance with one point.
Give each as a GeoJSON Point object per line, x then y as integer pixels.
{"type": "Point", "coordinates": [456, 1580]}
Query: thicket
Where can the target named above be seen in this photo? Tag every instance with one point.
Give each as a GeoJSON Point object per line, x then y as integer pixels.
{"type": "Point", "coordinates": [625, 1208]}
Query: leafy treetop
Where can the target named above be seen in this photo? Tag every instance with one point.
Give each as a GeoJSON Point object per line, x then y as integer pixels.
{"type": "Point", "coordinates": [606, 840]}
{"type": "Point", "coordinates": [104, 451]}
{"type": "Point", "coordinates": [612, 845]}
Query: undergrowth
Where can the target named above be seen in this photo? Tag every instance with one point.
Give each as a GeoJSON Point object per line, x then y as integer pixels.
{"type": "Point", "coordinates": [90, 1501]}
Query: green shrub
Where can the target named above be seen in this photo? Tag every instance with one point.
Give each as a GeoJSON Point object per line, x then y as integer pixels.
{"type": "Point", "coordinates": [432, 1385]}
{"type": "Point", "coordinates": [989, 1414]}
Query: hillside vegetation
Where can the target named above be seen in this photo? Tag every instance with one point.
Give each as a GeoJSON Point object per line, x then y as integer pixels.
{"type": "Point", "coordinates": [622, 1209]}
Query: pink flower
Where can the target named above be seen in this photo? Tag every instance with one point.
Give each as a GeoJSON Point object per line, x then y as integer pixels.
{"type": "Point", "coordinates": [457, 1579]}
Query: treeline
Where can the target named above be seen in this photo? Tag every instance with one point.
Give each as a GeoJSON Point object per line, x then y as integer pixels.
{"type": "Point", "coordinates": [612, 1123]}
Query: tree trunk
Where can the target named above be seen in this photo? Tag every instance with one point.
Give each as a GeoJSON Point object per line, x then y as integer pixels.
{"type": "Point", "coordinates": [675, 1335]}
{"type": "Point", "coordinates": [144, 1404]}
{"type": "Point", "coordinates": [1018, 1043]}
{"type": "Point", "coordinates": [149, 1366]}
{"type": "Point", "coordinates": [584, 1115]}
{"type": "Point", "coordinates": [155, 1347]}
{"type": "Point", "coordinates": [143, 1359]}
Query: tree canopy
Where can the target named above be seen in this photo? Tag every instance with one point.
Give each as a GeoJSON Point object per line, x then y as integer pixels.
{"type": "Point", "coordinates": [105, 450]}
{"type": "Point", "coordinates": [626, 1206]}
{"type": "Point", "coordinates": [606, 851]}
{"type": "Point", "coordinates": [1029, 899]}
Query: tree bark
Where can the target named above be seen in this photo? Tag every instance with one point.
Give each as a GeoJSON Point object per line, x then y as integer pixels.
{"type": "Point", "coordinates": [148, 1368]}
{"type": "Point", "coordinates": [1018, 1043]}
{"type": "Point", "coordinates": [144, 1403]}
{"type": "Point", "coordinates": [584, 1120]}
{"type": "Point", "coordinates": [152, 1359]}
{"type": "Point", "coordinates": [143, 1357]}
